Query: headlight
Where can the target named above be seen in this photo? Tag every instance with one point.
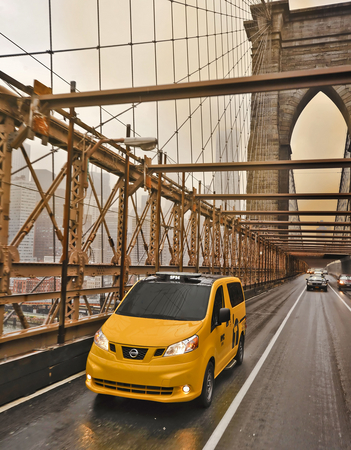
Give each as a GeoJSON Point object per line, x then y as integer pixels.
{"type": "Point", "coordinates": [341, 282]}
{"type": "Point", "coordinates": [101, 340]}
{"type": "Point", "coordinates": [186, 346]}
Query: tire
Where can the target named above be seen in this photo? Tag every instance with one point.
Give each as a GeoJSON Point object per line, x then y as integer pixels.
{"type": "Point", "coordinates": [239, 357]}
{"type": "Point", "coordinates": [205, 398]}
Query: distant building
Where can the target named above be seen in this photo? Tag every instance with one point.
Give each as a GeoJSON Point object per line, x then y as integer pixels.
{"type": "Point", "coordinates": [44, 237]}
{"type": "Point", "coordinates": [28, 285]}
{"type": "Point", "coordinates": [23, 201]}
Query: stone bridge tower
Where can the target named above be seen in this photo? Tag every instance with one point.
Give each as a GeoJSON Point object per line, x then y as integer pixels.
{"type": "Point", "coordinates": [284, 40]}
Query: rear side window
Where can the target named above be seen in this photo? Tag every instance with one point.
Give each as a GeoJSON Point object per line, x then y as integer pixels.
{"type": "Point", "coordinates": [235, 293]}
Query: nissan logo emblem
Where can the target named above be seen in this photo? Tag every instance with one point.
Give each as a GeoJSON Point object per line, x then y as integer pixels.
{"type": "Point", "coordinates": [133, 353]}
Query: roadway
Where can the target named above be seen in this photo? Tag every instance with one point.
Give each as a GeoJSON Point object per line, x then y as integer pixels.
{"type": "Point", "coordinates": [293, 391]}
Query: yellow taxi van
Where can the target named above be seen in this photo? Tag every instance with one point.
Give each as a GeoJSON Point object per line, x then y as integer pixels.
{"type": "Point", "coordinates": [169, 338]}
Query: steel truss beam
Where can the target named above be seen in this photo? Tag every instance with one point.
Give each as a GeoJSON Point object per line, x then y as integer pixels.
{"type": "Point", "coordinates": [334, 163]}
{"type": "Point", "coordinates": [286, 213]}
{"type": "Point", "coordinates": [302, 196]}
{"type": "Point", "coordinates": [270, 231]}
{"type": "Point", "coordinates": [331, 76]}
{"type": "Point", "coordinates": [291, 223]}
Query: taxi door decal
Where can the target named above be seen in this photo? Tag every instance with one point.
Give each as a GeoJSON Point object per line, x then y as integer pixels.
{"type": "Point", "coordinates": [235, 332]}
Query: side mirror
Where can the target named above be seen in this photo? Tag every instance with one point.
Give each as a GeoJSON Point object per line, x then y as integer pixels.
{"type": "Point", "coordinates": [224, 315]}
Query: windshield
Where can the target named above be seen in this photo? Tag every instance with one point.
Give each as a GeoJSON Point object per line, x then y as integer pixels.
{"type": "Point", "coordinates": [317, 278]}
{"type": "Point", "coordinates": [169, 301]}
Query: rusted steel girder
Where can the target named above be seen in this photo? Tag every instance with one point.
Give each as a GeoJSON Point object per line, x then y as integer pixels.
{"type": "Point", "coordinates": [8, 254]}
{"type": "Point", "coordinates": [270, 231]}
{"type": "Point", "coordinates": [176, 235]}
{"type": "Point", "coordinates": [230, 86]}
{"type": "Point", "coordinates": [193, 230]}
{"type": "Point", "coordinates": [206, 252]}
{"type": "Point", "coordinates": [287, 213]}
{"type": "Point", "coordinates": [333, 163]}
{"type": "Point", "coordinates": [150, 260]}
{"type": "Point", "coordinates": [287, 196]}
{"type": "Point", "coordinates": [216, 243]}
{"type": "Point", "coordinates": [300, 223]}
{"type": "Point", "coordinates": [310, 240]}
{"type": "Point", "coordinates": [103, 157]}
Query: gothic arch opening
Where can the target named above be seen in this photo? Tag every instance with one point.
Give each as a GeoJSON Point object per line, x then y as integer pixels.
{"type": "Point", "coordinates": [319, 133]}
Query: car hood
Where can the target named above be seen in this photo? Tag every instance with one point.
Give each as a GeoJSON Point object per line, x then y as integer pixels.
{"type": "Point", "coordinates": [148, 332]}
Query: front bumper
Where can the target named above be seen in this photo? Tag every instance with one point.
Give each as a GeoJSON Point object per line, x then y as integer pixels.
{"type": "Point", "coordinates": [160, 380]}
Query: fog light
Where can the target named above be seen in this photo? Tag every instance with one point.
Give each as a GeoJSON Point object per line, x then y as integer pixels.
{"type": "Point", "coordinates": [88, 376]}
{"type": "Point", "coordinates": [186, 389]}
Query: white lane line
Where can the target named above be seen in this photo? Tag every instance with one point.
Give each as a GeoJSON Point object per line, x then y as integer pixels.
{"type": "Point", "coordinates": [347, 306]}
{"type": "Point", "coordinates": [223, 424]}
{"type": "Point", "coordinates": [42, 391]}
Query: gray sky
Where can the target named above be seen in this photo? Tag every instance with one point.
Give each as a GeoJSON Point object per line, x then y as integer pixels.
{"type": "Point", "coordinates": [298, 4]}
{"type": "Point", "coordinates": [320, 130]}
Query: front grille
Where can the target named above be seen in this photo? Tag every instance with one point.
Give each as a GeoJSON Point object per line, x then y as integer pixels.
{"type": "Point", "coordinates": [159, 352]}
{"type": "Point", "coordinates": [140, 356]}
{"type": "Point", "coordinates": [112, 347]}
{"type": "Point", "coordinates": [133, 388]}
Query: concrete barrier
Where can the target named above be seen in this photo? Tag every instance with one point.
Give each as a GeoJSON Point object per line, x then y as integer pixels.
{"type": "Point", "coordinates": [23, 375]}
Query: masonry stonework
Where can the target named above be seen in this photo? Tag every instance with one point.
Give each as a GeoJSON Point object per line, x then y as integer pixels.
{"type": "Point", "coordinates": [300, 39]}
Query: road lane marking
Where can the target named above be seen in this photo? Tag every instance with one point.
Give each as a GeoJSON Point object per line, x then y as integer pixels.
{"type": "Point", "coordinates": [347, 306]}
{"type": "Point", "coordinates": [42, 391]}
{"type": "Point", "coordinates": [223, 424]}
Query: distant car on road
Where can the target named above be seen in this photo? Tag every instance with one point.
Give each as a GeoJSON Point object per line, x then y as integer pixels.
{"type": "Point", "coordinates": [318, 271]}
{"type": "Point", "coordinates": [344, 282]}
{"type": "Point", "coordinates": [316, 282]}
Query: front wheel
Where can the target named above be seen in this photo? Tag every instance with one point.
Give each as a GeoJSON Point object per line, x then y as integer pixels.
{"type": "Point", "coordinates": [207, 386]}
{"type": "Point", "coordinates": [240, 353]}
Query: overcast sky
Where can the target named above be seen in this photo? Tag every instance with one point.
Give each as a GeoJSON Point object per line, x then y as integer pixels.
{"type": "Point", "coordinates": [297, 4]}
{"type": "Point", "coordinates": [320, 131]}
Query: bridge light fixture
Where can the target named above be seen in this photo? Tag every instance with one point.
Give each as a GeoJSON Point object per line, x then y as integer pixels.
{"type": "Point", "coordinates": [145, 143]}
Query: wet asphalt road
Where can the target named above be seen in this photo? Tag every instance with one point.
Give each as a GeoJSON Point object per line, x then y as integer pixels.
{"type": "Point", "coordinates": [300, 398]}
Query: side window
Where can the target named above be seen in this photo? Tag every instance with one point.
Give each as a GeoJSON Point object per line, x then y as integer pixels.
{"type": "Point", "coordinates": [217, 305]}
{"type": "Point", "coordinates": [235, 293]}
